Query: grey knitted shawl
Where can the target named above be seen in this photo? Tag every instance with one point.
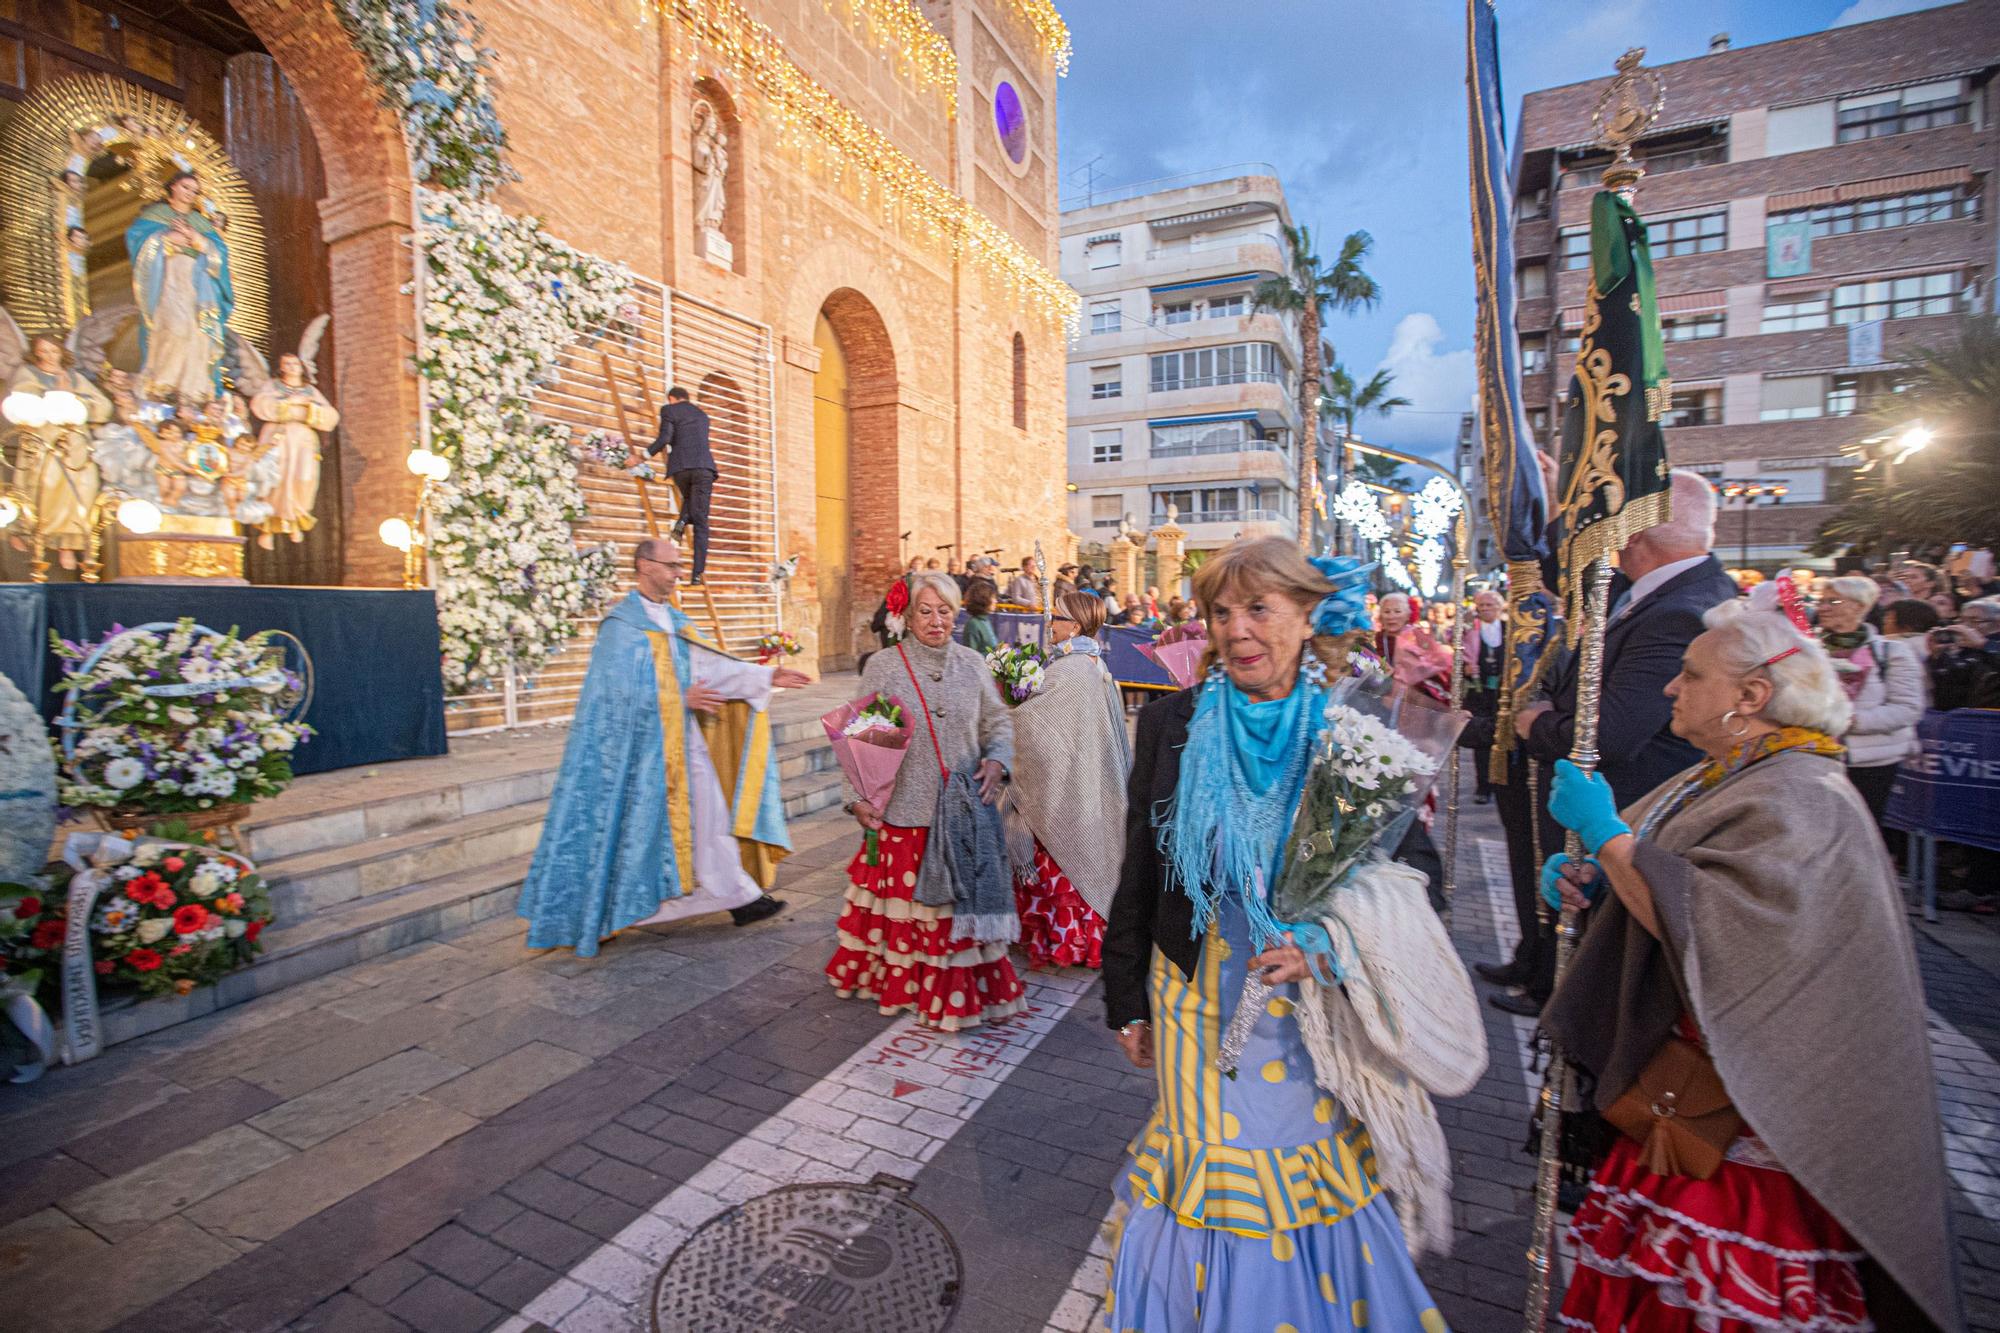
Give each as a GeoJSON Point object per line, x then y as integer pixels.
{"type": "Point", "coordinates": [1785, 937]}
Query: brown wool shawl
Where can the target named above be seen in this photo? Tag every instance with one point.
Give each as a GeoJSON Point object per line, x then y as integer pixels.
{"type": "Point", "coordinates": [1785, 937]}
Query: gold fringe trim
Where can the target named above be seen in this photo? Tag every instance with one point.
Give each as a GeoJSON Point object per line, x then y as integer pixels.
{"type": "Point", "coordinates": [1602, 539]}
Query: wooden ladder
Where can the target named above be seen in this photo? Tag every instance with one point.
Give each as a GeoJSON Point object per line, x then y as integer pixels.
{"type": "Point", "coordinates": [645, 491]}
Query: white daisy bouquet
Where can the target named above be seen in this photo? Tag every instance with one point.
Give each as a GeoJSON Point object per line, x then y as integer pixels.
{"type": "Point", "coordinates": [1019, 667]}
{"type": "Point", "coordinates": [166, 719]}
{"type": "Point", "coordinates": [1372, 766]}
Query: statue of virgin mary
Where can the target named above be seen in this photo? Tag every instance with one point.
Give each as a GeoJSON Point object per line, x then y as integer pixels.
{"type": "Point", "coordinates": [180, 278]}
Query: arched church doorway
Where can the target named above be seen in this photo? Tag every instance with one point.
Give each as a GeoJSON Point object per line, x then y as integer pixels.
{"type": "Point", "coordinates": [833, 505]}
{"type": "Point", "coordinates": [855, 471]}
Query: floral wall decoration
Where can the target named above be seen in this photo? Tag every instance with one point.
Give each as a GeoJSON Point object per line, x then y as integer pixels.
{"type": "Point", "coordinates": [427, 56]}
{"type": "Point", "coordinates": [502, 298]}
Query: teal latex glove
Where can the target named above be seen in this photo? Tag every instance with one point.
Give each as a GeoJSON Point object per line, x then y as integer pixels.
{"type": "Point", "coordinates": [1583, 803]}
{"type": "Point", "coordinates": [1552, 877]}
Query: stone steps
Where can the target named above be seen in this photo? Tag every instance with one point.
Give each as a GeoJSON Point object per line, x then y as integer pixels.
{"type": "Point", "coordinates": [367, 861]}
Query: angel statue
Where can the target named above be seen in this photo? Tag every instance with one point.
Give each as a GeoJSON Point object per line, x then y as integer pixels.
{"type": "Point", "coordinates": [180, 278]}
{"type": "Point", "coordinates": [55, 464]}
{"type": "Point", "coordinates": [295, 415]}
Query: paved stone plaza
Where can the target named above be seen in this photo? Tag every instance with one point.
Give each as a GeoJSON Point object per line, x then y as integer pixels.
{"type": "Point", "coordinates": [464, 1135]}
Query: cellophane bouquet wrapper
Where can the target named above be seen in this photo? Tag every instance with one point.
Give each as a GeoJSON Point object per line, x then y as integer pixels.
{"type": "Point", "coordinates": [1180, 659]}
{"type": "Point", "coordinates": [1383, 747]}
{"type": "Point", "coordinates": [869, 758]}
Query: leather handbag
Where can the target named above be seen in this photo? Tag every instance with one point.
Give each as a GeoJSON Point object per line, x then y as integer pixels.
{"type": "Point", "coordinates": [1678, 1112]}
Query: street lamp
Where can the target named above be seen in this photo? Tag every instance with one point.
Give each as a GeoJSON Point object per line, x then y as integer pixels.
{"type": "Point", "coordinates": [1914, 437]}
{"type": "Point", "coordinates": [407, 535]}
{"type": "Point", "coordinates": [1748, 491]}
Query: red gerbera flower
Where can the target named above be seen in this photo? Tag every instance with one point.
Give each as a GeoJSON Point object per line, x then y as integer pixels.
{"type": "Point", "coordinates": [143, 960]}
{"type": "Point", "coordinates": [48, 935]}
{"type": "Point", "coordinates": [189, 919]}
{"type": "Point", "coordinates": [27, 909]}
{"type": "Point", "coordinates": [173, 864]}
{"type": "Point", "coordinates": [253, 930]}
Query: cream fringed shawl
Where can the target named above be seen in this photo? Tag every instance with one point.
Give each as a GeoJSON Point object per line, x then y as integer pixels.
{"type": "Point", "coordinates": [1403, 1024]}
{"type": "Point", "coordinates": [1071, 760]}
{"type": "Point", "coordinates": [1786, 938]}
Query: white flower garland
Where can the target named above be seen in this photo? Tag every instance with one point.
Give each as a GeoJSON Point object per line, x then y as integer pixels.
{"type": "Point", "coordinates": [433, 71]}
{"type": "Point", "coordinates": [502, 300]}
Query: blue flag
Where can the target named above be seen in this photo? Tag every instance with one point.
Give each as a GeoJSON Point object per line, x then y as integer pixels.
{"type": "Point", "coordinates": [1515, 499]}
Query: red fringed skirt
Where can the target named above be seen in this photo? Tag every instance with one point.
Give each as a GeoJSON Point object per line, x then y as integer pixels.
{"type": "Point", "coordinates": [1745, 1251]}
{"type": "Point", "coordinates": [1058, 928]}
{"type": "Point", "coordinates": [901, 954]}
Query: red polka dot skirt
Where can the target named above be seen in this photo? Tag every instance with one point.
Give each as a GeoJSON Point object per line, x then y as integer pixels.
{"type": "Point", "coordinates": [900, 953]}
{"type": "Point", "coordinates": [1058, 928]}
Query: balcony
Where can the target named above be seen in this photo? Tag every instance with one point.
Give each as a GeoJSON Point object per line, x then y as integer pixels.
{"type": "Point", "coordinates": [1255, 252]}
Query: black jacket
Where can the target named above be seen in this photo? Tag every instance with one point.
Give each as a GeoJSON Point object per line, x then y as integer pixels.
{"type": "Point", "coordinates": [1642, 652]}
{"type": "Point", "coordinates": [684, 433]}
{"type": "Point", "coordinates": [1145, 913]}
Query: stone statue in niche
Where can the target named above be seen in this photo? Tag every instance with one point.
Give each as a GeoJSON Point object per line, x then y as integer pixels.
{"type": "Point", "coordinates": [711, 182]}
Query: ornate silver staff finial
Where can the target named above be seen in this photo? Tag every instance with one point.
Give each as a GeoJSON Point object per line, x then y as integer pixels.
{"type": "Point", "coordinates": [1624, 113]}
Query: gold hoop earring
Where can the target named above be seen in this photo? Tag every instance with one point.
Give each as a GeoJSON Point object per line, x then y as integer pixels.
{"type": "Point", "coordinates": [1740, 732]}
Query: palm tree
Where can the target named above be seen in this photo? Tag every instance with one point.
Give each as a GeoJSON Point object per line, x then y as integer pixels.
{"type": "Point", "coordinates": [1343, 402]}
{"type": "Point", "coordinates": [1312, 290]}
{"type": "Point", "coordinates": [1952, 489]}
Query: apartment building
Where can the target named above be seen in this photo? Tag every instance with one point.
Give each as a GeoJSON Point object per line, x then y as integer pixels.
{"type": "Point", "coordinates": [1180, 392]}
{"type": "Point", "coordinates": [1817, 207]}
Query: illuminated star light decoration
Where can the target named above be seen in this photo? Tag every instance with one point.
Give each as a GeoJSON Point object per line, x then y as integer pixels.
{"type": "Point", "coordinates": [1430, 563]}
{"type": "Point", "coordinates": [1434, 508]}
{"type": "Point", "coordinates": [1396, 572]}
{"type": "Point", "coordinates": [808, 115]}
{"type": "Point", "coordinates": [1357, 507]}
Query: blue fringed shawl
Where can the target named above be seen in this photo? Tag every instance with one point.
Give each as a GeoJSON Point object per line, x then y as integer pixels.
{"type": "Point", "coordinates": [1231, 814]}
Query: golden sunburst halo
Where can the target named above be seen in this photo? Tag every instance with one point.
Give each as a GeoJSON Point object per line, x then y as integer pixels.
{"type": "Point", "coordinates": [156, 138]}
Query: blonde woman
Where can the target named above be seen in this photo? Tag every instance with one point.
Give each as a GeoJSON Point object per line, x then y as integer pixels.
{"type": "Point", "coordinates": [1250, 1203]}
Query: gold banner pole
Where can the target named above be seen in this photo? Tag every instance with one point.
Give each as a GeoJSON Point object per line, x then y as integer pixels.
{"type": "Point", "coordinates": [1557, 1085]}
{"type": "Point", "coordinates": [1460, 537]}
{"type": "Point", "coordinates": [1625, 111]}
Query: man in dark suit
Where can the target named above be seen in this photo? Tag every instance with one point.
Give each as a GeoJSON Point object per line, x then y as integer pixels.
{"type": "Point", "coordinates": [1666, 581]}
{"type": "Point", "coordinates": [684, 438]}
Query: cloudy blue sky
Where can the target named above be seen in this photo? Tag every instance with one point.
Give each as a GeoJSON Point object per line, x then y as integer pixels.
{"type": "Point", "coordinates": [1361, 106]}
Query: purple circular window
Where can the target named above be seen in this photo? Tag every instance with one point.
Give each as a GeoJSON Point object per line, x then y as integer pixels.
{"type": "Point", "coordinates": [1010, 119]}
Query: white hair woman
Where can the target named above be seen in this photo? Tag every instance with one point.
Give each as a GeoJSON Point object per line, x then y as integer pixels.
{"type": "Point", "coordinates": [1250, 1201]}
{"type": "Point", "coordinates": [894, 949]}
{"type": "Point", "coordinates": [1752, 961]}
{"type": "Point", "coordinates": [1884, 681]}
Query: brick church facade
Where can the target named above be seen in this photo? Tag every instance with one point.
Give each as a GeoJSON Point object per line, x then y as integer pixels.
{"type": "Point", "coordinates": [834, 317]}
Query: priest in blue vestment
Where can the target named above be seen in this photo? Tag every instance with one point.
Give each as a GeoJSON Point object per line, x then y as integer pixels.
{"type": "Point", "coordinates": [667, 802]}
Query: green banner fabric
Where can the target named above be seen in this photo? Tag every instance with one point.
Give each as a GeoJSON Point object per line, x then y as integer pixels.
{"type": "Point", "coordinates": [1614, 454]}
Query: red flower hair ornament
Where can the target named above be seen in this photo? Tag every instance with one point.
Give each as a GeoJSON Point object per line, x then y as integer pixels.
{"type": "Point", "coordinates": [897, 601]}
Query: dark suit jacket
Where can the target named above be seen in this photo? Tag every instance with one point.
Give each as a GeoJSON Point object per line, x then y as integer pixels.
{"type": "Point", "coordinates": [1144, 912]}
{"type": "Point", "coordinates": [1642, 652]}
{"type": "Point", "coordinates": [684, 433]}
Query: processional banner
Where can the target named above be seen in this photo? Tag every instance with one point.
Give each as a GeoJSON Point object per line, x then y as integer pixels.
{"type": "Point", "coordinates": [1614, 454]}
{"type": "Point", "coordinates": [1514, 494]}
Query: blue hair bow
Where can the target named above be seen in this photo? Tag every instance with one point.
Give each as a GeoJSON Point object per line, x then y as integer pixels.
{"type": "Point", "coordinates": [1345, 609]}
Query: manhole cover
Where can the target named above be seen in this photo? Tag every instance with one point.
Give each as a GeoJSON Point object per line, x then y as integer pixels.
{"type": "Point", "coordinates": [814, 1259]}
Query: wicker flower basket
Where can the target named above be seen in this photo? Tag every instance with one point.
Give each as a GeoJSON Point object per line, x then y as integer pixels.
{"type": "Point", "coordinates": [215, 822]}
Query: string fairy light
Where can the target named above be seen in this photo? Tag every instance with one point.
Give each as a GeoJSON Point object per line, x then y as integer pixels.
{"type": "Point", "coordinates": [898, 26]}
{"type": "Point", "coordinates": [809, 116]}
{"type": "Point", "coordinates": [1430, 565]}
{"type": "Point", "coordinates": [1049, 28]}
